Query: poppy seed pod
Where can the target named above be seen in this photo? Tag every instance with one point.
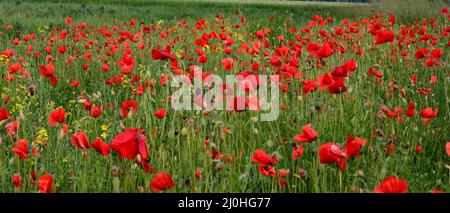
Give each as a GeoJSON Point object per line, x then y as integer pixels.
{"type": "Point", "coordinates": [32, 89]}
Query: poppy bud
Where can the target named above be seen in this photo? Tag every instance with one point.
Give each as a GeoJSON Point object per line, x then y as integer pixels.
{"type": "Point", "coordinates": [116, 185]}
{"type": "Point", "coordinates": [61, 135]}
{"type": "Point", "coordinates": [255, 131]}
{"type": "Point", "coordinates": [16, 180]}
{"type": "Point", "coordinates": [22, 116]}
{"type": "Point", "coordinates": [130, 115]}
{"type": "Point", "coordinates": [184, 131]}
{"type": "Point", "coordinates": [138, 158]}
{"type": "Point", "coordinates": [360, 173]}
{"type": "Point", "coordinates": [11, 161]}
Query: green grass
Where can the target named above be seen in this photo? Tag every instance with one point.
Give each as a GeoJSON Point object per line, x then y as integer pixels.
{"type": "Point", "coordinates": [75, 170]}
{"type": "Point", "coordinates": [98, 12]}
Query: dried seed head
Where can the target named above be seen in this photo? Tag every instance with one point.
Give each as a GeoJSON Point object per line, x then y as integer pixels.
{"type": "Point", "coordinates": [187, 182]}
{"type": "Point", "coordinates": [303, 173]}
{"type": "Point", "coordinates": [190, 121]}
{"type": "Point", "coordinates": [141, 189]}
{"type": "Point", "coordinates": [360, 173]}
{"type": "Point", "coordinates": [32, 89]}
{"type": "Point", "coordinates": [115, 170]}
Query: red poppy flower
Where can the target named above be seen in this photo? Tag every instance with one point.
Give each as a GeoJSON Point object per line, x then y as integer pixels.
{"type": "Point", "coordinates": [419, 149]}
{"type": "Point", "coordinates": [75, 84]}
{"type": "Point", "coordinates": [421, 53]}
{"type": "Point", "coordinates": [392, 185]}
{"type": "Point", "coordinates": [13, 68]}
{"type": "Point", "coordinates": [202, 59]}
{"type": "Point", "coordinates": [87, 105]}
{"type": "Point", "coordinates": [63, 131]}
{"type": "Point", "coordinates": [161, 181]}
{"type": "Point", "coordinates": [259, 156]}
{"type": "Point", "coordinates": [16, 180]}
{"type": "Point", "coordinates": [228, 63]}
{"type": "Point", "coordinates": [353, 146]}
{"type": "Point", "coordinates": [96, 111]}
{"type": "Point", "coordinates": [308, 135]}
{"type": "Point", "coordinates": [80, 140]}
{"type": "Point", "coordinates": [433, 79]}
{"type": "Point", "coordinates": [69, 21]}
{"type": "Point", "coordinates": [11, 128]}
{"type": "Point", "coordinates": [447, 148]}
{"type": "Point", "coordinates": [45, 183]}
{"type": "Point", "coordinates": [384, 36]}
{"type": "Point", "coordinates": [339, 71]}
{"type": "Point", "coordinates": [198, 174]}
{"type": "Point", "coordinates": [436, 53]}
{"type": "Point", "coordinates": [267, 170]}
{"type": "Point", "coordinates": [127, 106]}
{"type": "Point", "coordinates": [410, 111]}
{"type": "Point", "coordinates": [331, 153]}
{"type": "Point", "coordinates": [160, 113]}
{"type": "Point", "coordinates": [48, 71]}
{"type": "Point", "coordinates": [350, 65]}
{"type": "Point", "coordinates": [324, 81]}
{"type": "Point", "coordinates": [21, 149]}
{"type": "Point", "coordinates": [394, 113]}
{"type": "Point", "coordinates": [297, 152]}
{"type": "Point", "coordinates": [101, 147]}
{"type": "Point", "coordinates": [308, 86]}
{"type": "Point", "coordinates": [163, 54]}
{"type": "Point", "coordinates": [8, 53]}
{"type": "Point", "coordinates": [326, 50]}
{"type": "Point", "coordinates": [57, 116]}
{"type": "Point", "coordinates": [284, 172]}
{"type": "Point", "coordinates": [126, 63]}
{"type": "Point", "coordinates": [337, 86]}
{"type": "Point", "coordinates": [4, 114]}
{"type": "Point", "coordinates": [105, 68]}
{"type": "Point", "coordinates": [429, 112]}
{"type": "Point", "coordinates": [283, 183]}
{"type": "Point", "coordinates": [130, 143]}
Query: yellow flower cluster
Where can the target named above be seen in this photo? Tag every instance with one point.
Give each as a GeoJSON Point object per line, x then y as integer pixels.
{"type": "Point", "coordinates": [43, 29]}
{"type": "Point", "coordinates": [160, 22]}
{"type": "Point", "coordinates": [104, 128]}
{"type": "Point", "coordinates": [20, 98]}
{"type": "Point", "coordinates": [3, 59]}
{"type": "Point", "coordinates": [41, 138]}
{"type": "Point", "coordinates": [178, 53]}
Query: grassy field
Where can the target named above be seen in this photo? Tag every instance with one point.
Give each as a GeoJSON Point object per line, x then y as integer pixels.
{"type": "Point", "coordinates": [50, 12]}
{"type": "Point", "coordinates": [215, 152]}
